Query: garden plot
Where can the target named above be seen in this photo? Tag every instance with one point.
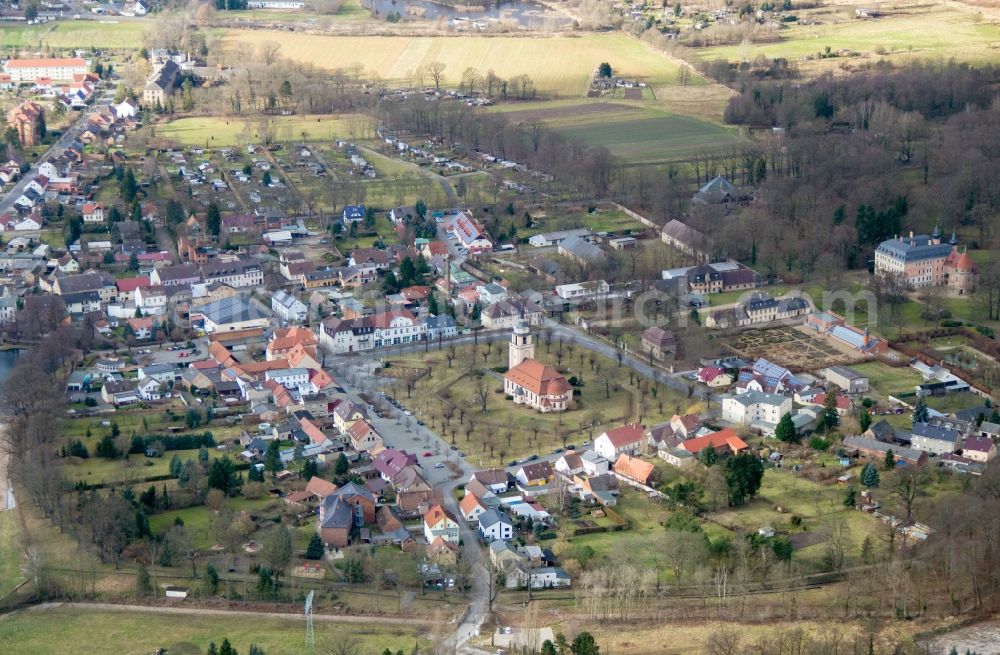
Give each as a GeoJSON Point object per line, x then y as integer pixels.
{"type": "Point", "coordinates": [789, 347]}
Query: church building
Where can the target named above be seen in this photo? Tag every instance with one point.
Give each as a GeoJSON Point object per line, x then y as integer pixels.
{"type": "Point", "coordinates": [528, 381]}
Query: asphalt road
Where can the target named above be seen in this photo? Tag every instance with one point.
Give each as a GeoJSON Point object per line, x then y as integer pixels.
{"type": "Point", "coordinates": [67, 137]}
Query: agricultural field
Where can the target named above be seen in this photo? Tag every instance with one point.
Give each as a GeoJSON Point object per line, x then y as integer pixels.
{"type": "Point", "coordinates": [209, 131]}
{"type": "Point", "coordinates": [121, 632]}
{"type": "Point", "coordinates": [568, 60]}
{"type": "Point", "coordinates": [637, 135]}
{"type": "Point", "coordinates": [71, 34]}
{"type": "Point", "coordinates": [528, 431]}
{"type": "Point", "coordinates": [903, 31]}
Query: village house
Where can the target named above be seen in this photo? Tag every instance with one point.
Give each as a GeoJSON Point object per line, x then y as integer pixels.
{"type": "Point", "coordinates": [495, 525]}
{"type": "Point", "coordinates": [934, 440]}
{"type": "Point", "coordinates": [755, 409]}
{"type": "Point", "coordinates": [471, 507]}
{"type": "Point", "coordinates": [627, 439]}
{"type": "Point", "coordinates": [534, 474]}
{"type": "Point", "coordinates": [28, 121]}
{"type": "Point", "coordinates": [634, 469]}
{"type": "Point", "coordinates": [438, 522]}
{"type": "Point", "coordinates": [659, 344]}
{"type": "Point", "coordinates": [877, 450]}
{"type": "Point", "coordinates": [979, 449]}
{"type": "Point", "coordinates": [846, 378]}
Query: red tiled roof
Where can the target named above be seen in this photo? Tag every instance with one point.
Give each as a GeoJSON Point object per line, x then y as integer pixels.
{"type": "Point", "coordinates": [626, 434]}
{"type": "Point", "coordinates": [723, 438]}
{"type": "Point", "coordinates": [538, 378]}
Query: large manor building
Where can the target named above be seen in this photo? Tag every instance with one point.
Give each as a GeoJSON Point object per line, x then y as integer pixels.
{"type": "Point", "coordinates": [925, 261]}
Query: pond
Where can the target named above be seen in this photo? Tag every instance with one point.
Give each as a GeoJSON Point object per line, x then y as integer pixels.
{"type": "Point", "coordinates": [528, 15]}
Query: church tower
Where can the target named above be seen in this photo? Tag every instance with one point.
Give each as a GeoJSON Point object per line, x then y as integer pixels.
{"type": "Point", "coordinates": [522, 345]}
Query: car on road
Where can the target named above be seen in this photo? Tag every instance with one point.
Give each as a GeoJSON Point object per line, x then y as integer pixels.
{"type": "Point", "coordinates": [461, 453]}
{"type": "Point", "coordinates": [571, 446]}
{"type": "Point", "coordinates": [427, 453]}
{"type": "Point", "coordinates": [557, 451]}
{"type": "Point", "coordinates": [454, 447]}
{"type": "Point", "coordinates": [408, 412]}
{"type": "Point", "coordinates": [439, 465]}
{"type": "Point", "coordinates": [523, 460]}
{"type": "Point", "coordinates": [512, 462]}
{"type": "Point", "coordinates": [532, 458]}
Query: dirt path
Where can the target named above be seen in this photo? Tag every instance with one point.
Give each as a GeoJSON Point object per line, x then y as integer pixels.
{"type": "Point", "coordinates": [180, 611]}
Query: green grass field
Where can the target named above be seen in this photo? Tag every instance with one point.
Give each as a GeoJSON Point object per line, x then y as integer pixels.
{"type": "Point", "coordinates": [63, 630]}
{"type": "Point", "coordinates": [198, 519]}
{"type": "Point", "coordinates": [75, 34]}
{"type": "Point", "coordinates": [903, 32]}
{"type": "Point", "coordinates": [638, 135]}
{"type": "Point", "coordinates": [888, 380]}
{"type": "Point", "coordinates": [559, 65]}
{"type": "Point", "coordinates": [10, 551]}
{"type": "Point", "coordinates": [219, 132]}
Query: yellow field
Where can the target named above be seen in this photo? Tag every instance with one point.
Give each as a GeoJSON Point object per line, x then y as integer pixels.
{"type": "Point", "coordinates": [558, 65]}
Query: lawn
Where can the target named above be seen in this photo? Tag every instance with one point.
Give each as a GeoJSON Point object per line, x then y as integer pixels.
{"type": "Point", "coordinates": [97, 470]}
{"type": "Point", "coordinates": [62, 630]}
{"type": "Point", "coordinates": [642, 542]}
{"type": "Point", "coordinates": [529, 431]}
{"type": "Point", "coordinates": [558, 65]}
{"type": "Point", "coordinates": [815, 503]}
{"type": "Point", "coordinates": [928, 31]}
{"type": "Point", "coordinates": [888, 380]}
{"type": "Point", "coordinates": [638, 135]}
{"type": "Point", "coordinates": [219, 132]}
{"type": "Point", "coordinates": [198, 518]}
{"type": "Point", "coordinates": [10, 551]}
{"type": "Point", "coordinates": [71, 34]}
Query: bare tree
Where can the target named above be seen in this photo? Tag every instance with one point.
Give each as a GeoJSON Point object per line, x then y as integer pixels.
{"type": "Point", "coordinates": [435, 70]}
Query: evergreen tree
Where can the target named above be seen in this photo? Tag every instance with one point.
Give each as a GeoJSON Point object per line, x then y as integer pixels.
{"type": "Point", "coordinates": [851, 499]}
{"type": "Point", "coordinates": [128, 186]}
{"type": "Point", "coordinates": [869, 475]}
{"type": "Point", "coordinates": [143, 583]}
{"type": "Point", "coordinates": [785, 431]}
{"type": "Point", "coordinates": [212, 650]}
{"type": "Point", "coordinates": [213, 219]}
{"type": "Point", "coordinates": [211, 579]}
{"type": "Point", "coordinates": [889, 462]}
{"type": "Point", "coordinates": [830, 418]}
{"type": "Point", "coordinates": [865, 420]}
{"type": "Point", "coordinates": [584, 644]}
{"type": "Point", "coordinates": [227, 649]}
{"type": "Point", "coordinates": [309, 469]}
{"type": "Point", "coordinates": [920, 413]}
{"type": "Point", "coordinates": [548, 648]}
{"type": "Point", "coordinates": [743, 474]}
{"type": "Point", "coordinates": [708, 455]}
{"type": "Point", "coordinates": [315, 549]}
{"type": "Point", "coordinates": [272, 458]}
{"type": "Point", "coordinates": [342, 466]}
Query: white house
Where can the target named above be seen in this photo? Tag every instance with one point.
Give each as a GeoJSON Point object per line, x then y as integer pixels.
{"type": "Point", "coordinates": [439, 523]}
{"type": "Point", "coordinates": [93, 213]}
{"type": "Point", "coordinates": [288, 307]}
{"type": "Point", "coordinates": [495, 525]}
{"type": "Point", "coordinates": [756, 409]}
{"type": "Point", "coordinates": [291, 378]}
{"type": "Point", "coordinates": [151, 300]}
{"type": "Point", "coordinates": [594, 463]}
{"type": "Point", "coordinates": [624, 439]}
{"type": "Point", "coordinates": [583, 290]}
{"type": "Point", "coordinates": [149, 389]}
